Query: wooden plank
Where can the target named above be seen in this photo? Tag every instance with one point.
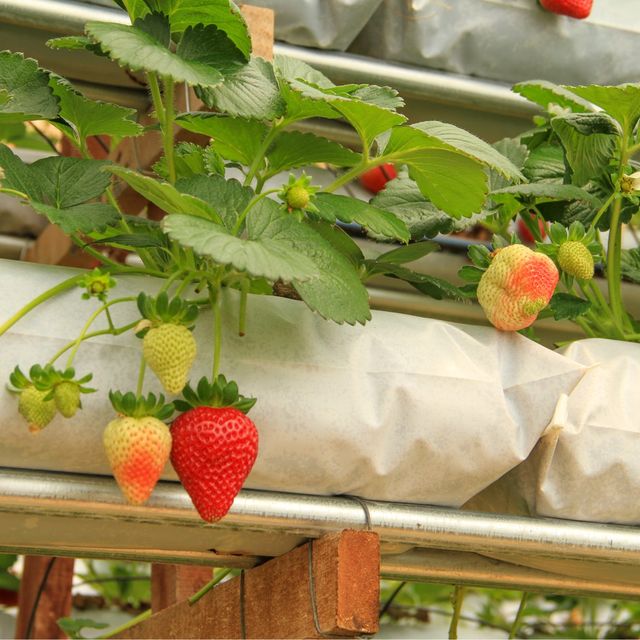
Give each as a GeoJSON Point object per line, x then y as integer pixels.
{"type": "Point", "coordinates": [261, 23]}
{"type": "Point", "coordinates": [274, 600]}
{"type": "Point", "coordinates": [44, 596]}
{"type": "Point", "coordinates": [172, 583]}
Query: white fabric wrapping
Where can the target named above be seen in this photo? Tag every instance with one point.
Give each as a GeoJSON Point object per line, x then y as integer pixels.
{"type": "Point", "coordinates": [403, 409]}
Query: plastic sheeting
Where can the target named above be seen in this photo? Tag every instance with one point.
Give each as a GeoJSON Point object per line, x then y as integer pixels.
{"type": "Point", "coordinates": [403, 409]}
{"type": "Point", "coordinates": [507, 40]}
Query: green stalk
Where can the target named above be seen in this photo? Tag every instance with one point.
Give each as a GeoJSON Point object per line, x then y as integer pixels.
{"type": "Point", "coordinates": [214, 297]}
{"type": "Point", "coordinates": [515, 627]}
{"type": "Point", "coordinates": [92, 252]}
{"type": "Point", "coordinates": [156, 95]}
{"type": "Point", "coordinates": [167, 128]}
{"type": "Point", "coordinates": [207, 587]}
{"type": "Point", "coordinates": [93, 334]}
{"type": "Point", "coordinates": [244, 294]}
{"type": "Point", "coordinates": [127, 625]}
{"type": "Point", "coordinates": [252, 203]}
{"type": "Point", "coordinates": [457, 599]}
{"type": "Point", "coordinates": [13, 192]}
{"type": "Point", "coordinates": [614, 266]}
{"type": "Point", "coordinates": [43, 297]}
{"type": "Point", "coordinates": [603, 209]}
{"type": "Point", "coordinates": [259, 157]}
{"type": "Point", "coordinates": [141, 372]}
{"type": "Point", "coordinates": [89, 322]}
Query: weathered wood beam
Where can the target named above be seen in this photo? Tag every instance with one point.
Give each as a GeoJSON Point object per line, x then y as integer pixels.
{"type": "Point", "coordinates": [326, 587]}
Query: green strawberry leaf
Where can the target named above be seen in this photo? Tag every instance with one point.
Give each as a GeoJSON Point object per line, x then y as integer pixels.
{"type": "Point", "coordinates": [25, 90]}
{"type": "Point", "coordinates": [73, 627]}
{"type": "Point", "coordinates": [165, 195]}
{"type": "Point", "coordinates": [403, 198]}
{"type": "Point", "coordinates": [588, 155]}
{"type": "Point", "coordinates": [454, 182]}
{"type": "Point", "coordinates": [340, 240]}
{"type": "Point", "coordinates": [545, 191]}
{"type": "Point", "coordinates": [331, 207]}
{"type": "Point", "coordinates": [260, 256]}
{"type": "Point", "coordinates": [622, 102]}
{"type": "Point", "coordinates": [384, 97]}
{"type": "Point", "coordinates": [631, 264]}
{"type": "Point", "coordinates": [337, 294]}
{"type": "Point", "coordinates": [296, 149]}
{"type": "Point", "coordinates": [235, 139]}
{"type": "Point", "coordinates": [300, 107]}
{"type": "Point", "coordinates": [545, 163]}
{"type": "Point", "coordinates": [564, 306]}
{"type": "Point", "coordinates": [134, 48]}
{"type": "Point", "coordinates": [293, 69]}
{"type": "Point", "coordinates": [367, 119]}
{"type": "Point", "coordinates": [56, 181]}
{"type": "Point", "coordinates": [92, 117]}
{"type": "Point", "coordinates": [516, 152]}
{"type": "Point", "coordinates": [251, 91]}
{"type": "Point", "coordinates": [471, 146]}
{"type": "Point", "coordinates": [210, 46]}
{"type": "Point", "coordinates": [190, 160]}
{"type": "Point", "coordinates": [83, 218]}
{"type": "Point", "coordinates": [410, 253]}
{"type": "Point", "coordinates": [221, 13]}
{"type": "Point", "coordinates": [227, 197]}
{"type": "Point", "coordinates": [75, 43]}
{"type": "Point", "coordinates": [547, 93]}
{"type": "Point", "coordinates": [135, 8]}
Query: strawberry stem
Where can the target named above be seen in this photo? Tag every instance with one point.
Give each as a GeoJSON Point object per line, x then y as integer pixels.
{"type": "Point", "coordinates": [141, 372]}
{"type": "Point", "coordinates": [207, 587]}
{"type": "Point", "coordinates": [457, 598]}
{"type": "Point", "coordinates": [128, 624]}
{"type": "Point", "coordinates": [89, 322]}
{"type": "Point", "coordinates": [214, 296]}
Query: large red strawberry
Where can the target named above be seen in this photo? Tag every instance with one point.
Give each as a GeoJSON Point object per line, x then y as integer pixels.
{"type": "Point", "coordinates": [579, 9]}
{"type": "Point", "coordinates": [214, 447]}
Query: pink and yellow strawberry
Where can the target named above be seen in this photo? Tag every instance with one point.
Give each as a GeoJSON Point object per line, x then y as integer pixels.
{"type": "Point", "coordinates": [517, 285]}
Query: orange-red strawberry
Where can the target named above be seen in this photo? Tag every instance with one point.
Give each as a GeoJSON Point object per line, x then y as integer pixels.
{"type": "Point", "coordinates": [517, 285]}
{"type": "Point", "coordinates": [214, 447]}
{"type": "Point", "coordinates": [138, 445]}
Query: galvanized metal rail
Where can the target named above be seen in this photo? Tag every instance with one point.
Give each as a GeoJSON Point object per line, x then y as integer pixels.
{"type": "Point", "coordinates": [84, 516]}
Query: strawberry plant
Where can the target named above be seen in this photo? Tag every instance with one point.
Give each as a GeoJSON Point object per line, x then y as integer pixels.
{"type": "Point", "coordinates": [231, 219]}
{"type": "Point", "coordinates": [583, 187]}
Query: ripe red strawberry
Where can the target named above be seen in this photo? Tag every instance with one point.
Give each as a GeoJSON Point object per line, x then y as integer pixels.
{"type": "Point", "coordinates": [517, 285]}
{"type": "Point", "coordinates": [213, 452]}
{"type": "Point", "coordinates": [375, 179]}
{"type": "Point", "coordinates": [579, 9]}
{"type": "Point", "coordinates": [137, 445]}
{"type": "Point", "coordinates": [213, 447]}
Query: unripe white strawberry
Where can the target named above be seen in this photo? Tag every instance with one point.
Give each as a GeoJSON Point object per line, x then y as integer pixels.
{"type": "Point", "coordinates": [575, 259]}
{"type": "Point", "coordinates": [33, 407]}
{"type": "Point", "coordinates": [170, 350]}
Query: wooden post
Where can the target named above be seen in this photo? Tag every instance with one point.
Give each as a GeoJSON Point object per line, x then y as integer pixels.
{"type": "Point", "coordinates": [334, 590]}
{"type": "Point", "coordinates": [172, 583]}
{"type": "Point", "coordinates": [44, 596]}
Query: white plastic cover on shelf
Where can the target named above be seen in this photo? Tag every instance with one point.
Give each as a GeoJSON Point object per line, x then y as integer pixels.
{"type": "Point", "coordinates": [403, 409]}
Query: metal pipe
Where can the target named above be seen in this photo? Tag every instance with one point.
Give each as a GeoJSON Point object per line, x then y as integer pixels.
{"type": "Point", "coordinates": [93, 497]}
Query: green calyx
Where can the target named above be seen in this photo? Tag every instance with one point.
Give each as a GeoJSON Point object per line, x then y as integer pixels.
{"type": "Point", "coordinates": [97, 283]}
{"type": "Point", "coordinates": [47, 378]}
{"type": "Point", "coordinates": [128, 404]}
{"type": "Point", "coordinates": [161, 310]}
{"type": "Point", "coordinates": [298, 194]}
{"type": "Point", "coordinates": [218, 393]}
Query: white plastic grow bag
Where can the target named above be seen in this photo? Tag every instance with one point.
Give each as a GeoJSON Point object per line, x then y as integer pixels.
{"type": "Point", "coordinates": [403, 409]}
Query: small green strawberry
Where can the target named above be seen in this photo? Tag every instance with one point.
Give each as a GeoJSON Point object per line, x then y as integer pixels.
{"type": "Point", "coordinates": [35, 408]}
{"type": "Point", "coordinates": [297, 194]}
{"type": "Point", "coordinates": [168, 345]}
{"type": "Point", "coordinates": [575, 250]}
{"type": "Point", "coordinates": [137, 443]}
{"type": "Point", "coordinates": [66, 395]}
{"type": "Point", "coordinates": [575, 259]}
